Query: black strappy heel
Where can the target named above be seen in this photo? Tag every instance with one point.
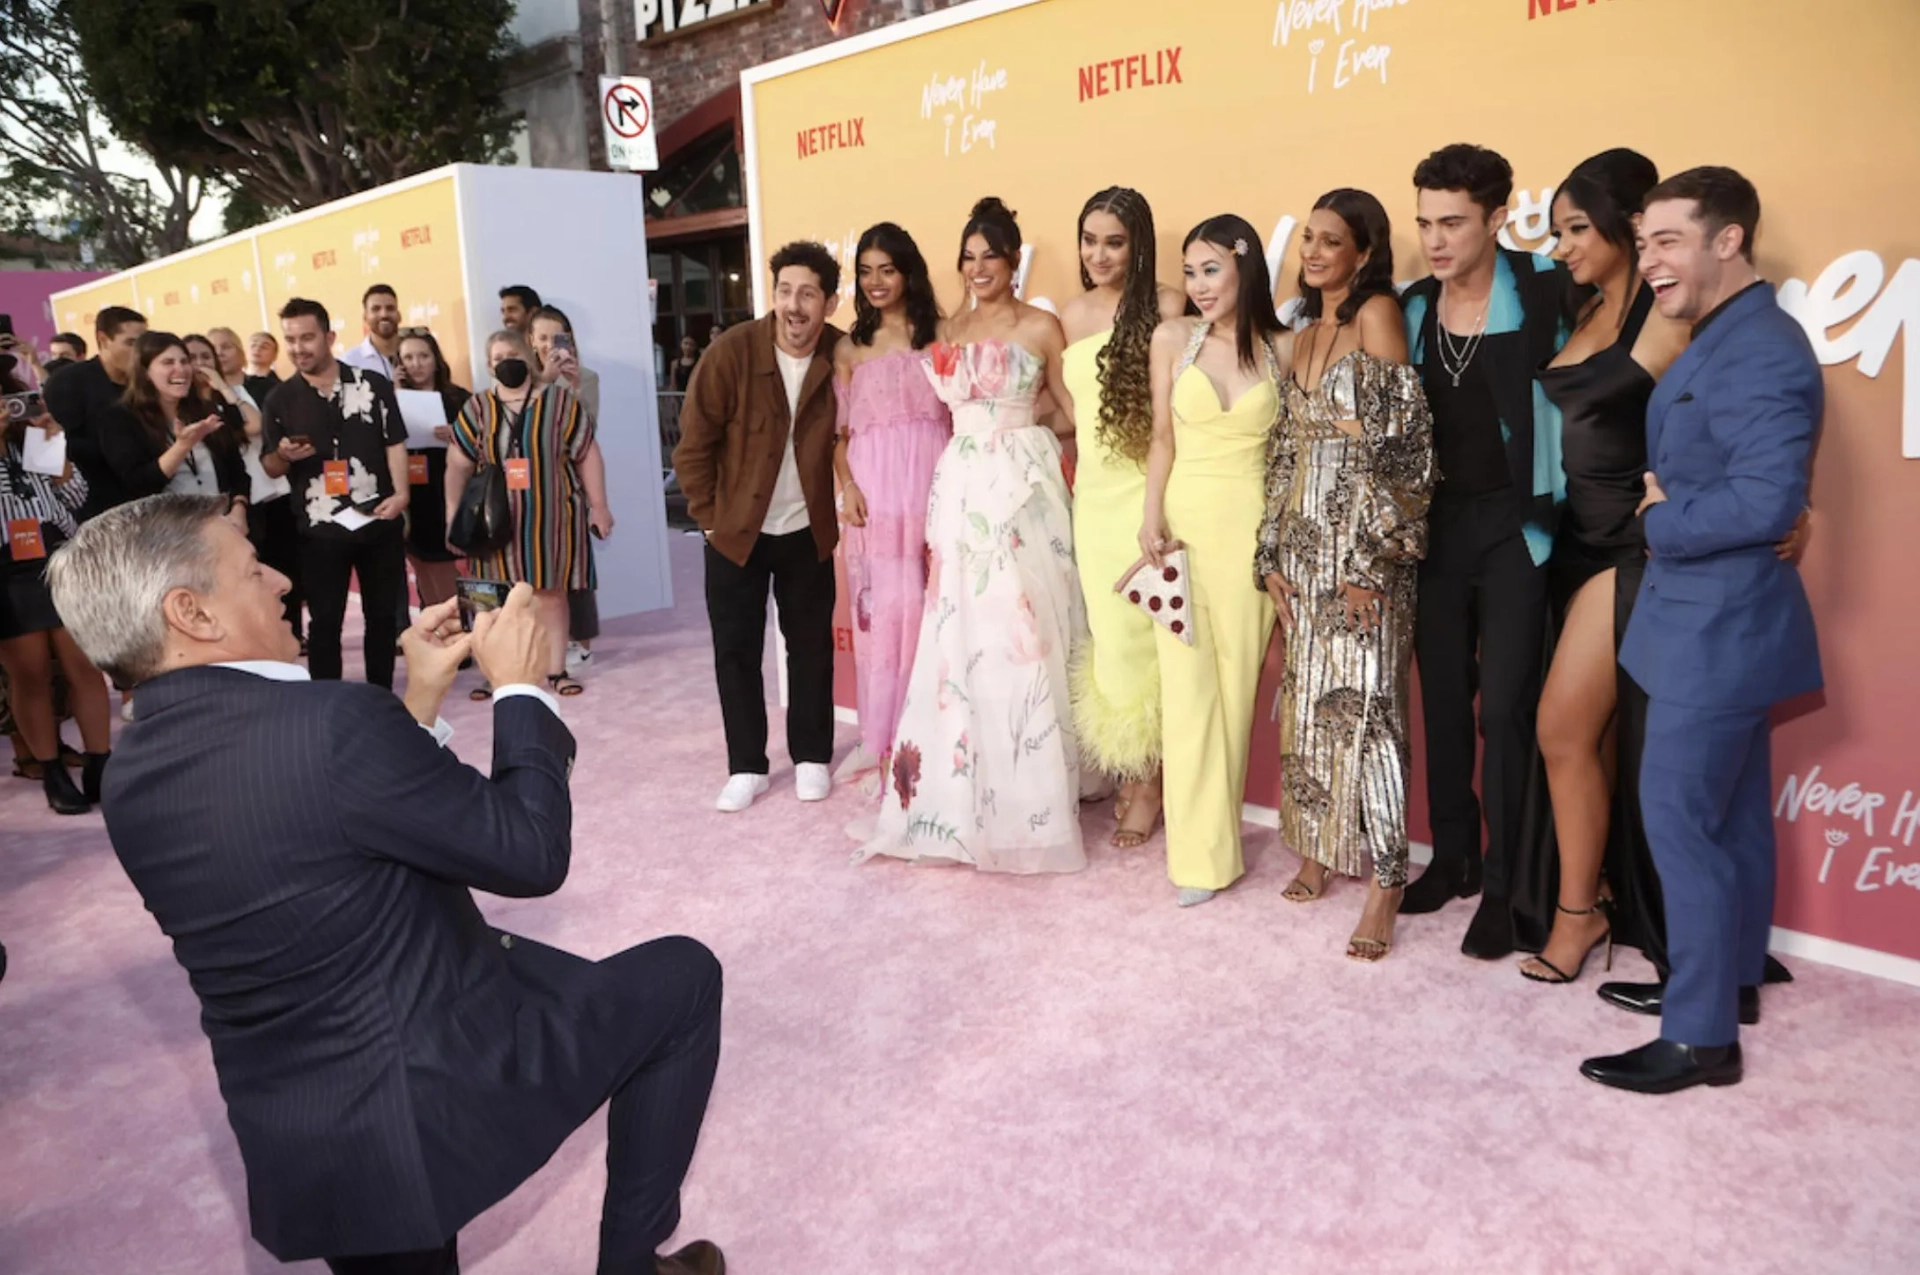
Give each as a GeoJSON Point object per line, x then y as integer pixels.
{"type": "Point", "coordinates": [1603, 906]}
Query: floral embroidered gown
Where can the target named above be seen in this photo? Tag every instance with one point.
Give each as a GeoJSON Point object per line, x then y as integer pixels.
{"type": "Point", "coordinates": [985, 767]}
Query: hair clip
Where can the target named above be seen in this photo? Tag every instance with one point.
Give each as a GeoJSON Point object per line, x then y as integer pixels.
{"type": "Point", "coordinates": [1239, 247]}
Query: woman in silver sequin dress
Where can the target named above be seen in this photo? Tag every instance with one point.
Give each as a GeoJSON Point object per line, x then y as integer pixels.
{"type": "Point", "coordinates": [1349, 472]}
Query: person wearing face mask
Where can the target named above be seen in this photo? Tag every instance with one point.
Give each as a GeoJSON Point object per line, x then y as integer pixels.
{"type": "Point", "coordinates": [542, 435]}
{"type": "Point", "coordinates": [756, 463]}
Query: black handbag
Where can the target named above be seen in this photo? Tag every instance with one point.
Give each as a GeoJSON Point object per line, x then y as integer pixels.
{"type": "Point", "coordinates": [483, 520]}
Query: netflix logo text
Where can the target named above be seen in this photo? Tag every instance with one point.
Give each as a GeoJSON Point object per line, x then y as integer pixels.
{"type": "Point", "coordinates": [832, 137]}
{"type": "Point", "coordinates": [1135, 71]}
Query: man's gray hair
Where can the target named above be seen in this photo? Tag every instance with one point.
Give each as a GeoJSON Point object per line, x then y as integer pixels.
{"type": "Point", "coordinates": [108, 581]}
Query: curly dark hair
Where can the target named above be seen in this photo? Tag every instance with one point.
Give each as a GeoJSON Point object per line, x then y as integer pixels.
{"type": "Point", "coordinates": [923, 311]}
{"type": "Point", "coordinates": [1125, 369]}
{"type": "Point", "coordinates": [1372, 237]}
{"type": "Point", "coordinates": [1485, 175]}
{"type": "Point", "coordinates": [811, 256]}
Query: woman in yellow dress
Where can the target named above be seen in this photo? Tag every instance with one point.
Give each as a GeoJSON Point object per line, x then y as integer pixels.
{"type": "Point", "coordinates": [1349, 476]}
{"type": "Point", "coordinates": [1109, 329]}
{"type": "Point", "coordinates": [1215, 399]}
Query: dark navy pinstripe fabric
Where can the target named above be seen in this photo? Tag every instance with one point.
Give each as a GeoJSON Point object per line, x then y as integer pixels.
{"type": "Point", "coordinates": [391, 1064]}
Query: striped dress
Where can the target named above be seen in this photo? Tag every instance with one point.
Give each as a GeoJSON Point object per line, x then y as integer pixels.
{"type": "Point", "coordinates": [549, 548]}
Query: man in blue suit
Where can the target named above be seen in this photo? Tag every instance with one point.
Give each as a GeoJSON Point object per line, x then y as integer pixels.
{"type": "Point", "coordinates": [392, 1065]}
{"type": "Point", "coordinates": [1721, 631]}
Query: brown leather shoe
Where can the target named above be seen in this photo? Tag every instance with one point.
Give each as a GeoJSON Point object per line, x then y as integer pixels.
{"type": "Point", "coordinates": [702, 1257]}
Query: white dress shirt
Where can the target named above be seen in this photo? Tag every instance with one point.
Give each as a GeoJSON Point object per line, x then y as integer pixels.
{"type": "Point", "coordinates": [369, 359]}
{"type": "Point", "coordinates": [281, 671]}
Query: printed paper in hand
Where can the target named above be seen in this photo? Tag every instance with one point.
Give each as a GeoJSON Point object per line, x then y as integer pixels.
{"type": "Point", "coordinates": [350, 518]}
{"type": "Point", "coordinates": [423, 411]}
{"type": "Point", "coordinates": [44, 455]}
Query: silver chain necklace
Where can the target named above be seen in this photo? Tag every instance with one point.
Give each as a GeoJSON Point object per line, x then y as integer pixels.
{"type": "Point", "coordinates": [1456, 359]}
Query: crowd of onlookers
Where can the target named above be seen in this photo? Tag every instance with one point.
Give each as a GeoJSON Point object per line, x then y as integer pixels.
{"type": "Point", "coordinates": [348, 469]}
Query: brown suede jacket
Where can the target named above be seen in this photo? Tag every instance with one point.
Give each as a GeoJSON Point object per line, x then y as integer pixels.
{"type": "Point", "coordinates": [733, 435]}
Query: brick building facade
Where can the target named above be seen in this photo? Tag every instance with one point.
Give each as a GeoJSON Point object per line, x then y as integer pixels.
{"type": "Point", "coordinates": [693, 51]}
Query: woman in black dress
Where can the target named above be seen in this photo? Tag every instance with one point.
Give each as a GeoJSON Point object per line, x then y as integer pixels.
{"type": "Point", "coordinates": [423, 367]}
{"type": "Point", "coordinates": [1592, 716]}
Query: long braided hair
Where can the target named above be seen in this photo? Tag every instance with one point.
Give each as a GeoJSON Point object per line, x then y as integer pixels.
{"type": "Point", "coordinates": [1126, 385]}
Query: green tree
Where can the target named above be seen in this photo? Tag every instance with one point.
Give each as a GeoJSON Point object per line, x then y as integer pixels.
{"type": "Point", "coordinates": [56, 159]}
{"type": "Point", "coordinates": [297, 102]}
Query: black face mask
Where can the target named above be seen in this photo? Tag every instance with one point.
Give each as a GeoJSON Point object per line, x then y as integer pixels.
{"type": "Point", "coordinates": [511, 373]}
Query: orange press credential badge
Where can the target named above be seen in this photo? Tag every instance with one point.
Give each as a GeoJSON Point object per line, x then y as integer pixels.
{"type": "Point", "coordinates": [417, 470]}
{"type": "Point", "coordinates": [23, 539]}
{"type": "Point", "coordinates": [519, 476]}
{"type": "Point", "coordinates": [336, 478]}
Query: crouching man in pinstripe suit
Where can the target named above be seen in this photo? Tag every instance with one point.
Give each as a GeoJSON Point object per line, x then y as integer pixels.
{"type": "Point", "coordinates": [391, 1064]}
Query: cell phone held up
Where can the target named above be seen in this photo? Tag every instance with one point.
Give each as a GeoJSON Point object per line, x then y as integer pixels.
{"type": "Point", "coordinates": [23, 407]}
{"type": "Point", "coordinates": [475, 596]}
{"type": "Point", "coordinates": [564, 341]}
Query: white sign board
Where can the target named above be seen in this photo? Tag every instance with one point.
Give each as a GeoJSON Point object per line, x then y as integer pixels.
{"type": "Point", "coordinates": [626, 112]}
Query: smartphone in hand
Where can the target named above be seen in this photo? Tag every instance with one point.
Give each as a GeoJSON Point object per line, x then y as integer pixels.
{"type": "Point", "coordinates": [475, 596]}
{"type": "Point", "coordinates": [564, 341]}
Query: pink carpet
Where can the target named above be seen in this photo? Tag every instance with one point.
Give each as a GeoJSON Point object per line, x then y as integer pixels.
{"type": "Point", "coordinates": [930, 1071]}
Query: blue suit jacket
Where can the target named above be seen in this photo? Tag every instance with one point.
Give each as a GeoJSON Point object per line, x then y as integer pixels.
{"type": "Point", "coordinates": [391, 1064]}
{"type": "Point", "coordinates": [1721, 622]}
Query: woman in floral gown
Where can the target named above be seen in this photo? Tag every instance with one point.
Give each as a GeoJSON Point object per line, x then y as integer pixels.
{"type": "Point", "coordinates": [985, 767]}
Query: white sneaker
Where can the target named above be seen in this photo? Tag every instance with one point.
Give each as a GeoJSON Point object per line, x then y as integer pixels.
{"type": "Point", "coordinates": [812, 781]}
{"type": "Point", "coordinates": [740, 792]}
{"type": "Point", "coordinates": [578, 657]}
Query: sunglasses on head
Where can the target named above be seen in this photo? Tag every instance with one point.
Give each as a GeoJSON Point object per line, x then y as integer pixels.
{"type": "Point", "coordinates": [415, 332]}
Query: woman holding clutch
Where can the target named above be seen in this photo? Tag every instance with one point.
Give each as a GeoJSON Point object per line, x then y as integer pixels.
{"type": "Point", "coordinates": [1215, 399]}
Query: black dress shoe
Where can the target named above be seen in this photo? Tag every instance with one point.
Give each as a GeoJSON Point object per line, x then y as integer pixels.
{"type": "Point", "coordinates": [702, 1257]}
{"type": "Point", "coordinates": [1666, 1066]}
{"type": "Point", "coordinates": [1489, 936]}
{"type": "Point", "coordinates": [1647, 998]}
{"type": "Point", "coordinates": [1444, 881]}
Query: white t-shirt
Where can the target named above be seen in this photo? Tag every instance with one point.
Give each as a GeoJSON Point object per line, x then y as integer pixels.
{"type": "Point", "coordinates": [788, 511]}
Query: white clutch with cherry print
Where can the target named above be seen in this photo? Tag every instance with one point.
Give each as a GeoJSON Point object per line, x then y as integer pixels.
{"type": "Point", "coordinates": [1162, 592]}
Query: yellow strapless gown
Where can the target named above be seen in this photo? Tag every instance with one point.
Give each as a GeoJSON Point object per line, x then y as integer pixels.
{"type": "Point", "coordinates": [1216, 499]}
{"type": "Point", "coordinates": [1116, 675]}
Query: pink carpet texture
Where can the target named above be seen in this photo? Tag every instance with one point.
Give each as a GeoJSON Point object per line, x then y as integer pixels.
{"type": "Point", "coordinates": [929, 1070]}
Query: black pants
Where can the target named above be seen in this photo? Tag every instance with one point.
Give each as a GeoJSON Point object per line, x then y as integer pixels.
{"type": "Point", "coordinates": [737, 608]}
{"type": "Point", "coordinates": [1480, 628]}
{"type": "Point", "coordinates": [276, 540]}
{"type": "Point", "coordinates": [583, 615]}
{"type": "Point", "coordinates": [377, 555]}
{"type": "Point", "coordinates": [444, 1260]}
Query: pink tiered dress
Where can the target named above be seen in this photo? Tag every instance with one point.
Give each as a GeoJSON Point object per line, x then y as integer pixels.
{"type": "Point", "coordinates": [897, 427]}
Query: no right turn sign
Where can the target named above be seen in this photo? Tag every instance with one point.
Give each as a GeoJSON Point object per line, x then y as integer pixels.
{"type": "Point", "coordinates": [626, 111]}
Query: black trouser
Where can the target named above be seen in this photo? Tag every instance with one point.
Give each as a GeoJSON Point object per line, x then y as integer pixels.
{"type": "Point", "coordinates": [444, 1260]}
{"type": "Point", "coordinates": [377, 555]}
{"type": "Point", "coordinates": [737, 608]}
{"type": "Point", "coordinates": [583, 615]}
{"type": "Point", "coordinates": [276, 540]}
{"type": "Point", "coordinates": [1480, 628]}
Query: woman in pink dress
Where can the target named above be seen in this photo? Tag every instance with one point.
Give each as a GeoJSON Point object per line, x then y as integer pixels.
{"type": "Point", "coordinates": [893, 428]}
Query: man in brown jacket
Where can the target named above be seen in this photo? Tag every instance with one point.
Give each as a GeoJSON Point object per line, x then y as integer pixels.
{"type": "Point", "coordinates": [756, 463]}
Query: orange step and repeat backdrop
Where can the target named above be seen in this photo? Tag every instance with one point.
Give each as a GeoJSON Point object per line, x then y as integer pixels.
{"type": "Point", "coordinates": [1259, 106]}
{"type": "Point", "coordinates": [406, 236]}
